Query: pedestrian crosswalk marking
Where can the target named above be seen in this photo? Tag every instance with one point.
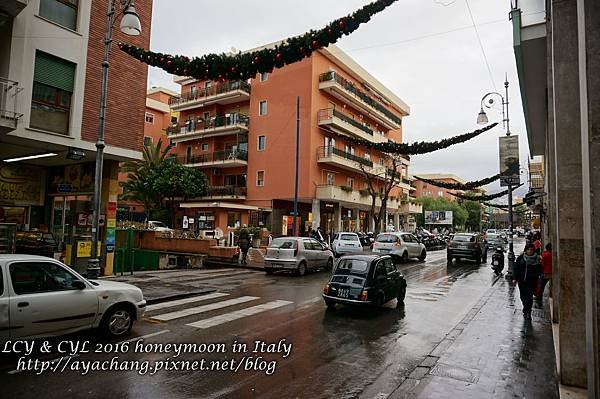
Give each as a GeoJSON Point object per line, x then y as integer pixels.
{"type": "Point", "coordinates": [238, 314]}
{"type": "Point", "coordinates": [184, 301]}
{"type": "Point", "coordinates": [203, 309]}
{"type": "Point", "coordinates": [207, 276]}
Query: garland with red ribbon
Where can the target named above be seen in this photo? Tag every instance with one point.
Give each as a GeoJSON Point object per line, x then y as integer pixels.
{"type": "Point", "coordinates": [483, 198]}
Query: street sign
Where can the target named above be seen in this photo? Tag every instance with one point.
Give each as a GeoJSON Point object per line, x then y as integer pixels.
{"type": "Point", "coordinates": [509, 161]}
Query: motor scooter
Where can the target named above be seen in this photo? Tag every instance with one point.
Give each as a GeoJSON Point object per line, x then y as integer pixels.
{"type": "Point", "coordinates": [498, 260]}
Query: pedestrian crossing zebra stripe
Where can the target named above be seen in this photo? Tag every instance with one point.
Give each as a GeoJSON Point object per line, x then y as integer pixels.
{"type": "Point", "coordinates": [238, 314]}
{"type": "Point", "coordinates": [184, 301]}
{"type": "Point", "coordinates": [203, 309]}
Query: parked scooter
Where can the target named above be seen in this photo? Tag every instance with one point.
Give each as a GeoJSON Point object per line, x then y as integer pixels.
{"type": "Point", "coordinates": [498, 261]}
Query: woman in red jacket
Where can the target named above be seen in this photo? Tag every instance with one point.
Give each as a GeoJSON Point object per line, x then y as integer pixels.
{"type": "Point", "coordinates": [547, 268]}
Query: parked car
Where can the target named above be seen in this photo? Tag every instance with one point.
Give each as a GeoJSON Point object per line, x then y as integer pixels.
{"type": "Point", "coordinates": [346, 243]}
{"type": "Point", "coordinates": [495, 240]}
{"type": "Point", "coordinates": [158, 226]}
{"type": "Point", "coordinates": [42, 297]}
{"type": "Point", "coordinates": [400, 246]}
{"type": "Point", "coordinates": [36, 243]}
{"type": "Point", "coordinates": [365, 280]}
{"type": "Point", "coordinates": [467, 246]}
{"type": "Point", "coordinates": [297, 254]}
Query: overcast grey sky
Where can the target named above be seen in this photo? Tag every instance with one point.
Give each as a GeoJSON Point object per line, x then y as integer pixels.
{"type": "Point", "coordinates": [425, 51]}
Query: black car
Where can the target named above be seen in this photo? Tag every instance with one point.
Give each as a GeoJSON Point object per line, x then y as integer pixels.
{"type": "Point", "coordinates": [365, 280]}
{"type": "Point", "coordinates": [467, 246]}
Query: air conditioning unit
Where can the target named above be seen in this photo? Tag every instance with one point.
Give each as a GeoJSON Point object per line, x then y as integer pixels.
{"type": "Point", "coordinates": [216, 172]}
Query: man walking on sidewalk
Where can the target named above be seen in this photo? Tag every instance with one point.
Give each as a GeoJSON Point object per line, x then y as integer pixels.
{"type": "Point", "coordinates": [526, 273]}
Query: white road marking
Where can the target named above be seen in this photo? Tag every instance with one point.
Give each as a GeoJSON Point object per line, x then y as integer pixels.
{"type": "Point", "coordinates": [154, 334]}
{"type": "Point", "coordinates": [203, 309]}
{"type": "Point", "coordinates": [184, 301]}
{"type": "Point", "coordinates": [238, 314]}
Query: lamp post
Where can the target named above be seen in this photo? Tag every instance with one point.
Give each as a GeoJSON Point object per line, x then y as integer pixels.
{"type": "Point", "coordinates": [130, 25]}
{"type": "Point", "coordinates": [483, 119]}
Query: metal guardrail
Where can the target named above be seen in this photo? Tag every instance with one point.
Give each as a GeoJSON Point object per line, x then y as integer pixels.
{"type": "Point", "coordinates": [201, 125]}
{"type": "Point", "coordinates": [218, 156]}
{"type": "Point", "coordinates": [9, 91]}
{"type": "Point", "coordinates": [350, 87]}
{"type": "Point", "coordinates": [329, 113]}
{"type": "Point", "coordinates": [327, 151]}
{"type": "Point", "coordinates": [217, 88]}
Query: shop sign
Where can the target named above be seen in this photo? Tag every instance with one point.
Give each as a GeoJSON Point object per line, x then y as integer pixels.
{"type": "Point", "coordinates": [64, 188]}
{"type": "Point", "coordinates": [77, 178]}
{"type": "Point", "coordinates": [21, 185]}
{"type": "Point", "coordinates": [84, 249]}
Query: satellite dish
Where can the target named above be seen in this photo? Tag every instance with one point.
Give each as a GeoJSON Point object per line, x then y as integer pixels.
{"type": "Point", "coordinates": [218, 233]}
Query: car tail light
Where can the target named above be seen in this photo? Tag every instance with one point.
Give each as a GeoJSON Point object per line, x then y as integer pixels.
{"type": "Point", "coordinates": [296, 248]}
{"type": "Point", "coordinates": [363, 295]}
{"type": "Point", "coordinates": [326, 289]}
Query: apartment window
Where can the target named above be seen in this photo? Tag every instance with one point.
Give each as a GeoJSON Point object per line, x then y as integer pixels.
{"type": "Point", "coordinates": [260, 178]}
{"type": "Point", "coordinates": [262, 141]}
{"type": "Point", "coordinates": [53, 82]}
{"type": "Point", "coordinates": [149, 117]}
{"type": "Point", "coordinates": [368, 155]}
{"type": "Point", "coordinates": [350, 182]}
{"type": "Point", "coordinates": [173, 119]}
{"type": "Point", "coordinates": [330, 179]}
{"type": "Point", "coordinates": [208, 85]}
{"type": "Point", "coordinates": [147, 141]}
{"type": "Point", "coordinates": [264, 77]}
{"type": "Point", "coordinates": [205, 147]}
{"type": "Point", "coordinates": [234, 219]}
{"type": "Point", "coordinates": [63, 12]}
{"type": "Point", "coordinates": [262, 109]}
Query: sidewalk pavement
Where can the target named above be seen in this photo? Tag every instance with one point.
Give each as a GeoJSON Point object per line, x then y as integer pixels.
{"type": "Point", "coordinates": [492, 353]}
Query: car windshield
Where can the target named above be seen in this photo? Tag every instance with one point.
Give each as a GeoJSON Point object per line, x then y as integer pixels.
{"type": "Point", "coordinates": [463, 238]}
{"type": "Point", "coordinates": [348, 237]}
{"type": "Point", "coordinates": [352, 266]}
{"type": "Point", "coordinates": [282, 243]}
{"type": "Point", "coordinates": [387, 238]}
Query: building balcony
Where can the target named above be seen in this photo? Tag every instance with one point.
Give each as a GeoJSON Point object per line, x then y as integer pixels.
{"type": "Point", "coordinates": [9, 117]}
{"type": "Point", "coordinates": [219, 159]}
{"type": "Point", "coordinates": [12, 7]}
{"type": "Point", "coordinates": [350, 197]}
{"type": "Point", "coordinates": [347, 92]}
{"type": "Point", "coordinates": [220, 93]}
{"type": "Point", "coordinates": [218, 126]}
{"type": "Point", "coordinates": [411, 208]}
{"type": "Point", "coordinates": [341, 123]}
{"type": "Point", "coordinates": [345, 160]}
{"type": "Point", "coordinates": [226, 192]}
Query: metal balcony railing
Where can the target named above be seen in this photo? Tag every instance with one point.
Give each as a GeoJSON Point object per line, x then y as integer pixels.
{"type": "Point", "coordinates": [201, 125]}
{"type": "Point", "coordinates": [218, 156]}
{"type": "Point", "coordinates": [237, 191]}
{"type": "Point", "coordinates": [329, 113]}
{"type": "Point", "coordinates": [217, 88]}
{"type": "Point", "coordinates": [9, 90]}
{"type": "Point", "coordinates": [356, 92]}
{"type": "Point", "coordinates": [330, 150]}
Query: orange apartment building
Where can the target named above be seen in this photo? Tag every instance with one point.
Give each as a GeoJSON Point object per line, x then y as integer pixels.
{"type": "Point", "coordinates": [424, 190]}
{"type": "Point", "coordinates": [242, 134]}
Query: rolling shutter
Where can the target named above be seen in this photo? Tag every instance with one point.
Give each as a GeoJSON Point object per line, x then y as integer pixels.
{"type": "Point", "coordinates": [53, 71]}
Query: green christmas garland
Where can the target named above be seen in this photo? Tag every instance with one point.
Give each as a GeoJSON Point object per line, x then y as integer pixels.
{"type": "Point", "coordinates": [502, 206]}
{"type": "Point", "coordinates": [421, 147]}
{"type": "Point", "coordinates": [483, 198]}
{"type": "Point", "coordinates": [461, 186]}
{"type": "Point", "coordinates": [246, 65]}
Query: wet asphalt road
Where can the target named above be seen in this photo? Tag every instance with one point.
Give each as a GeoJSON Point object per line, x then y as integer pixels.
{"type": "Point", "coordinates": [344, 353]}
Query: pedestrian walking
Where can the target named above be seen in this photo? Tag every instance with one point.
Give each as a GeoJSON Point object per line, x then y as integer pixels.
{"type": "Point", "coordinates": [547, 268]}
{"type": "Point", "coordinates": [526, 274]}
{"type": "Point", "coordinates": [537, 243]}
{"type": "Point", "coordinates": [244, 244]}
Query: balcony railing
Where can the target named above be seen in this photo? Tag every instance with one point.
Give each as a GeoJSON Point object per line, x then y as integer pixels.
{"type": "Point", "coordinates": [330, 150]}
{"type": "Point", "coordinates": [329, 113]}
{"type": "Point", "coordinates": [216, 89]}
{"type": "Point", "coordinates": [364, 97]}
{"type": "Point", "coordinates": [9, 91]}
{"type": "Point", "coordinates": [213, 157]}
{"type": "Point", "coordinates": [227, 191]}
{"type": "Point", "coordinates": [200, 125]}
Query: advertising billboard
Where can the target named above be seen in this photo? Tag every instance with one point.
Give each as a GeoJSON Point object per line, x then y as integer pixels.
{"type": "Point", "coordinates": [509, 161]}
{"type": "Point", "coordinates": [438, 217]}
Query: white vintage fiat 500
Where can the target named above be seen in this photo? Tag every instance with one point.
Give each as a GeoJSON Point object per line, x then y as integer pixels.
{"type": "Point", "coordinates": [41, 297]}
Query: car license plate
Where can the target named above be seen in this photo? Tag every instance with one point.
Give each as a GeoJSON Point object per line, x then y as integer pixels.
{"type": "Point", "coordinates": [343, 292]}
{"type": "Point", "coordinates": [276, 265]}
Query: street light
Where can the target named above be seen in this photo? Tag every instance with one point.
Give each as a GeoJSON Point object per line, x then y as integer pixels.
{"type": "Point", "coordinates": [130, 25]}
{"type": "Point", "coordinates": [483, 119]}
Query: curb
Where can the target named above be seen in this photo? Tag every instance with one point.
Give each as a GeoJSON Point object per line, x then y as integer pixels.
{"type": "Point", "coordinates": [167, 298]}
{"type": "Point", "coordinates": [212, 263]}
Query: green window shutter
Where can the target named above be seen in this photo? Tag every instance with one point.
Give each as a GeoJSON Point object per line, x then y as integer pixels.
{"type": "Point", "coordinates": [53, 71]}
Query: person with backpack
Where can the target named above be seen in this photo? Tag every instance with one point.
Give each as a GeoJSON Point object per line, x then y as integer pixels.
{"type": "Point", "coordinates": [526, 273]}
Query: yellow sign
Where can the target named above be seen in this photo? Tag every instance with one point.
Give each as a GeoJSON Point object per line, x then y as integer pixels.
{"type": "Point", "coordinates": [84, 249]}
{"type": "Point", "coordinates": [21, 185]}
{"type": "Point", "coordinates": [111, 223]}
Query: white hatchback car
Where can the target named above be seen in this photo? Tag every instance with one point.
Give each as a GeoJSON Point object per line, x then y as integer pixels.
{"type": "Point", "coordinates": [400, 246]}
{"type": "Point", "coordinates": [42, 297]}
{"type": "Point", "coordinates": [297, 254]}
{"type": "Point", "coordinates": [346, 243]}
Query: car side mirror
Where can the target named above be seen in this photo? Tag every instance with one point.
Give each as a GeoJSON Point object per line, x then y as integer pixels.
{"type": "Point", "coordinates": [78, 284]}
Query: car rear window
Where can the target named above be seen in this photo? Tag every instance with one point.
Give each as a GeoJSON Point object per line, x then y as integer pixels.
{"type": "Point", "coordinates": [464, 238]}
{"type": "Point", "coordinates": [352, 266]}
{"type": "Point", "coordinates": [282, 243]}
{"type": "Point", "coordinates": [349, 237]}
{"type": "Point", "coordinates": [387, 238]}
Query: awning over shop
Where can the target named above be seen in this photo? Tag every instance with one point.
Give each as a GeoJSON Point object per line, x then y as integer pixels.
{"type": "Point", "coordinates": [225, 205]}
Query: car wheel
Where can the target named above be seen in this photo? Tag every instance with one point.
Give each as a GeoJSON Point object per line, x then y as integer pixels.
{"type": "Point", "coordinates": [301, 269]}
{"type": "Point", "coordinates": [423, 255]}
{"type": "Point", "coordinates": [401, 295]}
{"type": "Point", "coordinates": [405, 257]}
{"type": "Point", "coordinates": [329, 264]}
{"type": "Point", "coordinates": [269, 271]}
{"type": "Point", "coordinates": [117, 322]}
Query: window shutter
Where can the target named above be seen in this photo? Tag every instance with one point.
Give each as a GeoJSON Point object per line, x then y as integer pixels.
{"type": "Point", "coordinates": [53, 71]}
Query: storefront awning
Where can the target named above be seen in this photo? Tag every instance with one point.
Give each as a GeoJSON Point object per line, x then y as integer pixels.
{"type": "Point", "coordinates": [226, 205]}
